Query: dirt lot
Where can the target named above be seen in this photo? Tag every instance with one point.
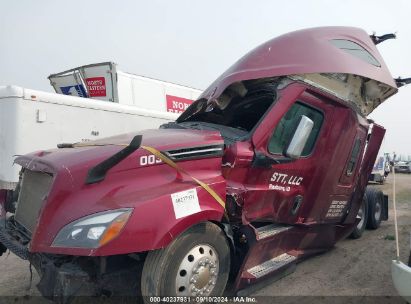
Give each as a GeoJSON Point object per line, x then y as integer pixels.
{"type": "Point", "coordinates": [353, 270]}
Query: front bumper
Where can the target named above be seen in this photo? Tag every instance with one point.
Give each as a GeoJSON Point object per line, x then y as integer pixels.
{"type": "Point", "coordinates": [62, 277]}
{"type": "Point", "coordinates": [17, 245]}
{"type": "Point", "coordinates": [61, 282]}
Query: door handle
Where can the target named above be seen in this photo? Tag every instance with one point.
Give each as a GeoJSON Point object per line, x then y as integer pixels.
{"type": "Point", "coordinates": [296, 204]}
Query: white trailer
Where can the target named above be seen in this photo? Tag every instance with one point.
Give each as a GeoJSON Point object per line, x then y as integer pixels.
{"type": "Point", "coordinates": [103, 81]}
{"type": "Point", "coordinates": [381, 169]}
{"type": "Point", "coordinates": [31, 120]}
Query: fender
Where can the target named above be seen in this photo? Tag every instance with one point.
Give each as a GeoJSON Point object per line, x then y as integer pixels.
{"type": "Point", "coordinates": [154, 224]}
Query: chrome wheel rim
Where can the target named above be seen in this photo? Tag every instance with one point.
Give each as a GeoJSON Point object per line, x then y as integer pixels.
{"type": "Point", "coordinates": [197, 272]}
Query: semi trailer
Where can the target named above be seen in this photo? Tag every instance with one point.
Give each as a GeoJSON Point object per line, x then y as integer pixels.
{"type": "Point", "coordinates": [381, 169]}
{"type": "Point", "coordinates": [267, 167]}
{"type": "Point", "coordinates": [80, 111]}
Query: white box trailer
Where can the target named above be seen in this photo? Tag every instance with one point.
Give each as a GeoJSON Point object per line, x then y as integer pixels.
{"type": "Point", "coordinates": [34, 120]}
{"type": "Point", "coordinates": [103, 81]}
{"type": "Point", "coordinates": [381, 169]}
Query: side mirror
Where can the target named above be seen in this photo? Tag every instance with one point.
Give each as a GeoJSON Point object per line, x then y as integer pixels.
{"type": "Point", "coordinates": [300, 137]}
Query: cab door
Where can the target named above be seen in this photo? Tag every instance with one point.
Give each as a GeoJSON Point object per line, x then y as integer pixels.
{"type": "Point", "coordinates": [278, 186]}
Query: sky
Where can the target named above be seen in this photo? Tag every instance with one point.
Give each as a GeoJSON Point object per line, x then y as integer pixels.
{"type": "Point", "coordinates": [190, 42]}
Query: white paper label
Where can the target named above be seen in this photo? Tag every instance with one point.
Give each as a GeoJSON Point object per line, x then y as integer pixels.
{"type": "Point", "coordinates": [185, 203]}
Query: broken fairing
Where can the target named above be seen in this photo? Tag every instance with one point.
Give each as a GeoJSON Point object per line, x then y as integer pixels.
{"type": "Point", "coordinates": [343, 61]}
{"type": "Point", "coordinates": [361, 94]}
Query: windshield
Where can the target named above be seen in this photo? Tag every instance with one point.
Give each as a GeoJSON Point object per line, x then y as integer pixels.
{"type": "Point", "coordinates": [240, 106]}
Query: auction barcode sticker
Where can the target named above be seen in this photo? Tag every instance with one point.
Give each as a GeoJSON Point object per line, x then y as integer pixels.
{"type": "Point", "coordinates": [185, 203]}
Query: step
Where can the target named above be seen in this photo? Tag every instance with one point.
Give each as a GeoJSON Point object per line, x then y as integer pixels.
{"type": "Point", "coordinates": [270, 230]}
{"type": "Point", "coordinates": [271, 265]}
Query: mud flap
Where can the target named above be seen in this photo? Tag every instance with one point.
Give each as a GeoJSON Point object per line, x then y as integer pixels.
{"type": "Point", "coordinates": [384, 215]}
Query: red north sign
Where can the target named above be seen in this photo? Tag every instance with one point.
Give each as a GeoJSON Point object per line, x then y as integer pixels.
{"type": "Point", "coordinates": [96, 86]}
{"type": "Point", "coordinates": [177, 104]}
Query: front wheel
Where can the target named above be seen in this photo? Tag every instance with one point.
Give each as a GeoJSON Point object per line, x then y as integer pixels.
{"type": "Point", "coordinates": [197, 263]}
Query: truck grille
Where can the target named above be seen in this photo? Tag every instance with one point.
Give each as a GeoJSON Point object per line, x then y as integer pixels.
{"type": "Point", "coordinates": [34, 189]}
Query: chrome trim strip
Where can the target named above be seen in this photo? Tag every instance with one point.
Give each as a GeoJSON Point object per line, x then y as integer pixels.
{"type": "Point", "coordinates": [194, 152]}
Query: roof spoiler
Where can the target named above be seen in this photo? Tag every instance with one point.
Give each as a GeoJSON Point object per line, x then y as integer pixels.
{"type": "Point", "coordinates": [382, 38]}
{"type": "Point", "coordinates": [402, 81]}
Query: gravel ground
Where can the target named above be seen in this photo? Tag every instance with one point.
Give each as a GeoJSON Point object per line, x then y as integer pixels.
{"type": "Point", "coordinates": [358, 271]}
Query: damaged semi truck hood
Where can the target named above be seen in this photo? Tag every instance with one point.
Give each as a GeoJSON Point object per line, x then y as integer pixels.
{"type": "Point", "coordinates": [343, 61]}
{"type": "Point", "coordinates": [91, 153]}
{"type": "Point", "coordinates": [54, 185]}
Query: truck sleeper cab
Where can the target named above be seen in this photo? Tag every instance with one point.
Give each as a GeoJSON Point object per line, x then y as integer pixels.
{"type": "Point", "coordinates": [267, 167]}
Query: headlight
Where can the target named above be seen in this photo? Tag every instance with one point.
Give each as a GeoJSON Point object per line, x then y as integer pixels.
{"type": "Point", "coordinates": [94, 230]}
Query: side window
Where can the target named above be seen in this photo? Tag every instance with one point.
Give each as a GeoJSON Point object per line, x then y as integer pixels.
{"type": "Point", "coordinates": [355, 50]}
{"type": "Point", "coordinates": [287, 125]}
{"type": "Point", "coordinates": [354, 157]}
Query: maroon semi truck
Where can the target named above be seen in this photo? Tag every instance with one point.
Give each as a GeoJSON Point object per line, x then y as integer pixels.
{"type": "Point", "coordinates": [269, 166]}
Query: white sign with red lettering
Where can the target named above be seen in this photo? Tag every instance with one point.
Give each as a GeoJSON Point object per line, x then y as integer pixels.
{"type": "Point", "coordinates": [96, 86]}
{"type": "Point", "coordinates": [177, 104]}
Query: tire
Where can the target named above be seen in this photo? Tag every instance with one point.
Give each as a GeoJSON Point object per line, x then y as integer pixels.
{"type": "Point", "coordinates": [171, 271]}
{"type": "Point", "coordinates": [363, 212]}
{"type": "Point", "coordinates": [375, 200]}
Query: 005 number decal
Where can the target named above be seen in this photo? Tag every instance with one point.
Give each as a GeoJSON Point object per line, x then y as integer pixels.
{"type": "Point", "coordinates": [149, 160]}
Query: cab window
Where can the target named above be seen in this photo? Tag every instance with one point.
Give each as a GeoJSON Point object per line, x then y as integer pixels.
{"type": "Point", "coordinates": [288, 124]}
{"type": "Point", "coordinates": [354, 157]}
